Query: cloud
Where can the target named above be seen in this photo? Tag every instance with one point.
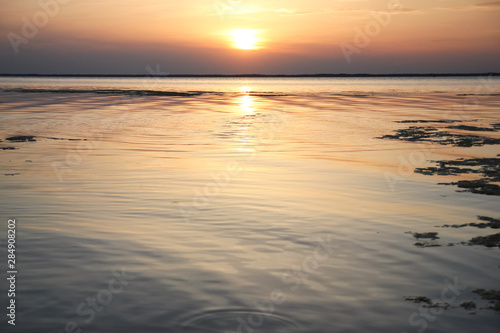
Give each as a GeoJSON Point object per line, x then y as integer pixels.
{"type": "Point", "coordinates": [293, 11]}
{"type": "Point", "coordinates": [494, 5]}
{"type": "Point", "coordinates": [290, 12]}
{"type": "Point", "coordinates": [281, 12]}
{"type": "Point", "coordinates": [488, 5]}
{"type": "Point", "coordinates": [407, 10]}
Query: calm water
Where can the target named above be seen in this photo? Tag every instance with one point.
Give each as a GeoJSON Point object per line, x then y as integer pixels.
{"type": "Point", "coordinates": [295, 86]}
{"type": "Point", "coordinates": [261, 205]}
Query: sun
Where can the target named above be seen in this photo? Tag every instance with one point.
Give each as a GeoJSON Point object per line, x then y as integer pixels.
{"type": "Point", "coordinates": [245, 39]}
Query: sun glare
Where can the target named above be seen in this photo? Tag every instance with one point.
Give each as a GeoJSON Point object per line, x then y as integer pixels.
{"type": "Point", "coordinates": [245, 39]}
{"type": "Point", "coordinates": [246, 104]}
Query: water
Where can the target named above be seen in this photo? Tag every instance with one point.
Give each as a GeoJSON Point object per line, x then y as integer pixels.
{"type": "Point", "coordinates": [295, 86]}
{"type": "Point", "coordinates": [258, 205]}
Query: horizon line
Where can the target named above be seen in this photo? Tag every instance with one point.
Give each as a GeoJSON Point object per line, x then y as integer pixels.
{"type": "Point", "coordinates": [259, 75]}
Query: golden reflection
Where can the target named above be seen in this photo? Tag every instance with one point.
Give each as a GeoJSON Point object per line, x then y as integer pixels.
{"type": "Point", "coordinates": [245, 90]}
{"type": "Point", "coordinates": [246, 104]}
{"type": "Point", "coordinates": [243, 138]}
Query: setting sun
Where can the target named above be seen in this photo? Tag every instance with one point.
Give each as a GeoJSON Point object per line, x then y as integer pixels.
{"type": "Point", "coordinates": [245, 39]}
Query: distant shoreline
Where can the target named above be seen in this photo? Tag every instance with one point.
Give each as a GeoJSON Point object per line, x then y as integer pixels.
{"type": "Point", "coordinates": [256, 75]}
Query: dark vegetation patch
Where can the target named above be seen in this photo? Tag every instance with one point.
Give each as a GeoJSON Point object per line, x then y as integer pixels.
{"type": "Point", "coordinates": [31, 138]}
{"type": "Point", "coordinates": [21, 138]}
{"type": "Point", "coordinates": [488, 241]}
{"type": "Point", "coordinates": [112, 92]}
{"type": "Point", "coordinates": [487, 168]}
{"type": "Point", "coordinates": [490, 222]}
{"type": "Point", "coordinates": [426, 244]}
{"type": "Point", "coordinates": [473, 128]}
{"type": "Point", "coordinates": [476, 186]}
{"type": "Point", "coordinates": [51, 138]}
{"type": "Point", "coordinates": [445, 121]}
{"type": "Point", "coordinates": [426, 235]}
{"type": "Point", "coordinates": [418, 299]}
{"type": "Point", "coordinates": [493, 296]}
{"type": "Point", "coordinates": [426, 239]}
{"type": "Point", "coordinates": [468, 305]}
{"type": "Point", "coordinates": [426, 302]}
{"type": "Point", "coordinates": [432, 134]}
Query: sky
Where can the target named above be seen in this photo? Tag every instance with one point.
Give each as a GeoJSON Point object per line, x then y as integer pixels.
{"type": "Point", "coordinates": [249, 36]}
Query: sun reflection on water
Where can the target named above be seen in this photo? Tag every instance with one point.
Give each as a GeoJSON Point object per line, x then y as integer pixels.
{"type": "Point", "coordinates": [246, 101]}
{"type": "Point", "coordinates": [246, 104]}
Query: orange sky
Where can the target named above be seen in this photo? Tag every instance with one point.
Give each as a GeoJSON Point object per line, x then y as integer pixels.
{"type": "Point", "coordinates": [294, 36]}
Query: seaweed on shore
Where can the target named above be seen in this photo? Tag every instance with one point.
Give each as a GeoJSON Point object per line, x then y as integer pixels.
{"type": "Point", "coordinates": [418, 299]}
{"type": "Point", "coordinates": [425, 235]}
{"type": "Point", "coordinates": [488, 241]}
{"type": "Point", "coordinates": [426, 302]}
{"type": "Point", "coordinates": [445, 121]}
{"type": "Point", "coordinates": [474, 128]}
{"type": "Point", "coordinates": [432, 134]}
{"type": "Point", "coordinates": [493, 296]}
{"type": "Point", "coordinates": [488, 168]}
{"type": "Point", "coordinates": [113, 92]}
{"type": "Point", "coordinates": [490, 223]}
{"type": "Point", "coordinates": [468, 305]}
{"type": "Point", "coordinates": [426, 244]}
{"type": "Point", "coordinates": [480, 186]}
{"type": "Point", "coordinates": [412, 133]}
{"type": "Point", "coordinates": [52, 138]}
{"type": "Point", "coordinates": [21, 138]}
{"type": "Point", "coordinates": [490, 295]}
{"type": "Point", "coordinates": [9, 148]}
{"type": "Point", "coordinates": [26, 138]}
{"type": "Point", "coordinates": [426, 239]}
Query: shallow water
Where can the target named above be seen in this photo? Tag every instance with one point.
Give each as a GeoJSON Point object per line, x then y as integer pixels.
{"type": "Point", "coordinates": [237, 212]}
